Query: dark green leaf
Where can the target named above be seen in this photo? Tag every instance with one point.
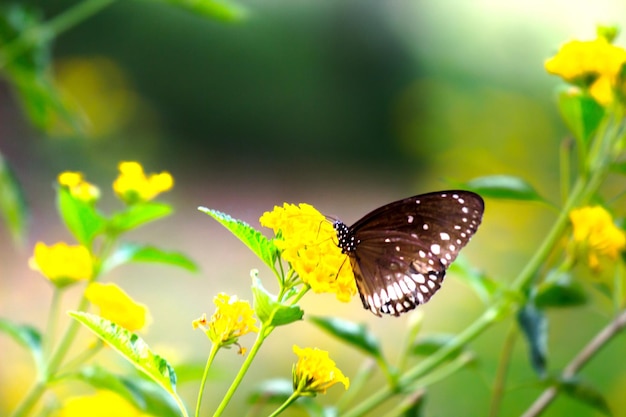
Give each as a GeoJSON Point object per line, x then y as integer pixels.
{"type": "Point", "coordinates": [12, 203]}
{"type": "Point", "coordinates": [27, 336]}
{"type": "Point", "coordinates": [259, 244]}
{"type": "Point", "coordinates": [354, 334]}
{"type": "Point", "coordinates": [132, 348]}
{"type": "Point", "coordinates": [145, 395]}
{"type": "Point", "coordinates": [484, 286]}
{"type": "Point", "coordinates": [139, 253]}
{"type": "Point", "coordinates": [270, 311]}
{"type": "Point", "coordinates": [560, 292]}
{"type": "Point", "coordinates": [80, 217]}
{"type": "Point", "coordinates": [585, 393]}
{"type": "Point", "coordinates": [503, 187]}
{"type": "Point", "coordinates": [427, 345]}
{"type": "Point", "coordinates": [581, 113]}
{"type": "Point", "coordinates": [534, 325]}
{"type": "Point", "coordinates": [137, 215]}
{"type": "Point", "coordinates": [223, 10]}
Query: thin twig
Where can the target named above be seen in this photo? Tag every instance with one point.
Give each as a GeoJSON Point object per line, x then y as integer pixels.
{"type": "Point", "coordinates": [593, 347]}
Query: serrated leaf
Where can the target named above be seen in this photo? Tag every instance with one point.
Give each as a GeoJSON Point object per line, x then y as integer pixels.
{"type": "Point", "coordinates": [503, 187]}
{"type": "Point", "coordinates": [137, 215]}
{"type": "Point", "coordinates": [145, 395]}
{"type": "Point", "coordinates": [354, 334]}
{"type": "Point", "coordinates": [252, 238]}
{"type": "Point", "coordinates": [27, 336]}
{"type": "Point", "coordinates": [427, 345]}
{"type": "Point", "coordinates": [534, 325]}
{"type": "Point", "coordinates": [80, 217]}
{"type": "Point", "coordinates": [132, 348]}
{"type": "Point", "coordinates": [145, 253]}
{"type": "Point", "coordinates": [581, 113]}
{"type": "Point", "coordinates": [560, 292]}
{"type": "Point", "coordinates": [225, 11]}
{"type": "Point", "coordinates": [13, 206]}
{"type": "Point", "coordinates": [269, 310]}
{"type": "Point", "coordinates": [583, 392]}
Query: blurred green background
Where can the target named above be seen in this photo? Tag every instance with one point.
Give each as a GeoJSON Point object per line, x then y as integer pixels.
{"type": "Point", "coordinates": [346, 105]}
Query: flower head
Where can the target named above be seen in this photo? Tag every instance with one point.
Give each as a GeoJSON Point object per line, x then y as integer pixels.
{"type": "Point", "coordinates": [595, 64]}
{"type": "Point", "coordinates": [232, 319]}
{"type": "Point", "coordinates": [78, 187]}
{"type": "Point", "coordinates": [117, 306]}
{"type": "Point", "coordinates": [132, 185]}
{"type": "Point", "coordinates": [308, 242]}
{"type": "Point", "coordinates": [315, 372]}
{"type": "Point", "coordinates": [597, 235]}
{"type": "Point", "coordinates": [61, 263]}
{"type": "Point", "coordinates": [101, 404]}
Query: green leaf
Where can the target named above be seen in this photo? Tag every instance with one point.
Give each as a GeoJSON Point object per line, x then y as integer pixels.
{"type": "Point", "coordinates": [353, 334]}
{"type": "Point", "coordinates": [581, 113]}
{"type": "Point", "coordinates": [80, 217]}
{"type": "Point", "coordinates": [144, 253]}
{"type": "Point", "coordinates": [484, 286]}
{"type": "Point", "coordinates": [427, 345]}
{"type": "Point", "coordinates": [277, 391]}
{"type": "Point", "coordinates": [583, 392]}
{"type": "Point", "coordinates": [12, 203]}
{"type": "Point", "coordinates": [27, 336]}
{"type": "Point", "coordinates": [503, 187]}
{"type": "Point", "coordinates": [145, 395]}
{"type": "Point", "coordinates": [561, 291]}
{"type": "Point", "coordinates": [269, 310]}
{"type": "Point", "coordinates": [225, 11]}
{"type": "Point", "coordinates": [137, 215]}
{"type": "Point", "coordinates": [534, 325]}
{"type": "Point", "coordinates": [132, 348]}
{"type": "Point", "coordinates": [259, 244]}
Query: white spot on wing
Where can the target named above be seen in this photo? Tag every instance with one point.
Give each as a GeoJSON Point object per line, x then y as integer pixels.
{"type": "Point", "coordinates": [435, 248]}
{"type": "Point", "coordinates": [444, 236]}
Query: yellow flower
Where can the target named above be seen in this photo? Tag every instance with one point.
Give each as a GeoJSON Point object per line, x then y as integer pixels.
{"type": "Point", "coordinates": [595, 64]}
{"type": "Point", "coordinates": [78, 187]}
{"type": "Point", "coordinates": [132, 185]}
{"type": "Point", "coordinates": [315, 372]}
{"type": "Point", "coordinates": [117, 306]}
{"type": "Point", "coordinates": [594, 229]}
{"type": "Point", "coordinates": [101, 404]}
{"type": "Point", "coordinates": [308, 242]}
{"type": "Point", "coordinates": [61, 263]}
{"type": "Point", "coordinates": [232, 319]}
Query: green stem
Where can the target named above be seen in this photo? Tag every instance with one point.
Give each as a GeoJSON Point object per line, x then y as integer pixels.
{"type": "Point", "coordinates": [55, 26]}
{"type": "Point", "coordinates": [264, 332]}
{"type": "Point", "coordinates": [51, 325]}
{"type": "Point", "coordinates": [503, 366]}
{"type": "Point", "coordinates": [214, 349]}
{"type": "Point", "coordinates": [286, 404]}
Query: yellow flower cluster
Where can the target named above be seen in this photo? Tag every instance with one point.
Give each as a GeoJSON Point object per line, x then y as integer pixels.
{"type": "Point", "coordinates": [61, 263]}
{"type": "Point", "coordinates": [101, 404]}
{"type": "Point", "coordinates": [117, 306]}
{"type": "Point", "coordinates": [315, 372]}
{"type": "Point", "coordinates": [78, 187]}
{"type": "Point", "coordinates": [596, 64]}
{"type": "Point", "coordinates": [593, 228]}
{"type": "Point", "coordinates": [308, 242]}
{"type": "Point", "coordinates": [232, 319]}
{"type": "Point", "coordinates": [132, 185]}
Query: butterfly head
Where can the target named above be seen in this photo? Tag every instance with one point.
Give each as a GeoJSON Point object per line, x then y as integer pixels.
{"type": "Point", "coordinates": [345, 240]}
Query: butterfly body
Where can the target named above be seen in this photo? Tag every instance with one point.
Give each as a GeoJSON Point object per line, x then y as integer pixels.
{"type": "Point", "coordinates": [400, 252]}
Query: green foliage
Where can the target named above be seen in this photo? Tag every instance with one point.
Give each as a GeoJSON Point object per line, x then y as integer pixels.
{"type": "Point", "coordinates": [12, 203]}
{"type": "Point", "coordinates": [534, 325]}
{"type": "Point", "coordinates": [27, 336]}
{"type": "Point", "coordinates": [270, 310]}
{"type": "Point", "coordinates": [80, 217]}
{"type": "Point", "coordinates": [504, 187]}
{"type": "Point", "coordinates": [353, 334]}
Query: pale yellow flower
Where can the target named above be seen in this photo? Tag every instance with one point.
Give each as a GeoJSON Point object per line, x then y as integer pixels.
{"type": "Point", "coordinates": [78, 187]}
{"type": "Point", "coordinates": [315, 372]}
{"type": "Point", "coordinates": [117, 306]}
{"type": "Point", "coordinates": [308, 241]}
{"type": "Point", "coordinates": [101, 404]}
{"type": "Point", "coordinates": [594, 230]}
{"type": "Point", "coordinates": [61, 263]}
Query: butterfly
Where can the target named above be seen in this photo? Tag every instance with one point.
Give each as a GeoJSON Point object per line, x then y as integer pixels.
{"type": "Point", "coordinates": [400, 252]}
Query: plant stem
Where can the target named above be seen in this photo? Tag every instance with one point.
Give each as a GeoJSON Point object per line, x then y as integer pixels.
{"type": "Point", "coordinates": [592, 348]}
{"type": "Point", "coordinates": [51, 325]}
{"type": "Point", "coordinates": [503, 366]}
{"type": "Point", "coordinates": [286, 404]}
{"type": "Point", "coordinates": [264, 332]}
{"type": "Point", "coordinates": [214, 349]}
